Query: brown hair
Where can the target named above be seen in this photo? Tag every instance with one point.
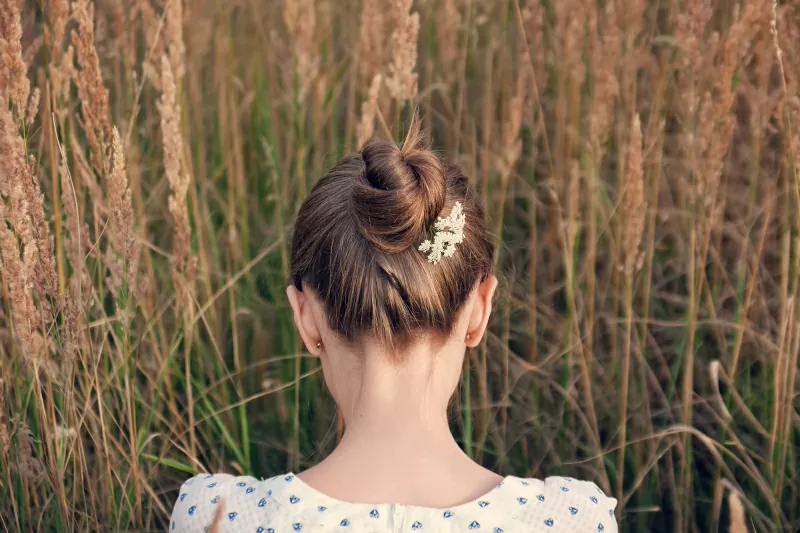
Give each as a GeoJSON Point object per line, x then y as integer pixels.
{"type": "Point", "coordinates": [357, 236]}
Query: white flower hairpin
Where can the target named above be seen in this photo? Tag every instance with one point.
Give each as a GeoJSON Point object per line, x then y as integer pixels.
{"type": "Point", "coordinates": [449, 232]}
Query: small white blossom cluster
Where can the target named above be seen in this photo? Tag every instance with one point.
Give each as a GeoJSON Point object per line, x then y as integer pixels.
{"type": "Point", "coordinates": [449, 232]}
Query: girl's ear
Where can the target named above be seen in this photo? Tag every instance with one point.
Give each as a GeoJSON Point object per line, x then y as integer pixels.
{"type": "Point", "coordinates": [304, 320]}
{"type": "Point", "coordinates": [481, 310]}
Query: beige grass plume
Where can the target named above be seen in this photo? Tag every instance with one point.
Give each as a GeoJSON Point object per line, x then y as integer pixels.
{"type": "Point", "coordinates": [23, 311]}
{"type": "Point", "coordinates": [91, 91]}
{"type": "Point", "coordinates": [27, 214]}
{"type": "Point", "coordinates": [694, 45]}
{"type": "Point", "coordinates": [123, 239]}
{"type": "Point", "coordinates": [532, 48]}
{"type": "Point", "coordinates": [716, 121]}
{"type": "Point", "coordinates": [300, 19]}
{"type": "Point", "coordinates": [62, 72]}
{"type": "Point", "coordinates": [154, 38]}
{"type": "Point", "coordinates": [173, 33]}
{"type": "Point", "coordinates": [633, 202]}
{"type": "Point", "coordinates": [366, 126]}
{"type": "Point", "coordinates": [448, 24]}
{"type": "Point", "coordinates": [182, 264]}
{"type": "Point", "coordinates": [15, 271]}
{"type": "Point", "coordinates": [402, 79]}
{"type": "Point", "coordinates": [605, 87]}
{"type": "Point", "coordinates": [371, 41]}
{"type": "Point", "coordinates": [13, 70]}
{"type": "Point", "coordinates": [512, 127]}
{"type": "Point", "coordinates": [569, 24]}
{"type": "Point", "coordinates": [57, 13]}
{"type": "Point", "coordinates": [33, 107]}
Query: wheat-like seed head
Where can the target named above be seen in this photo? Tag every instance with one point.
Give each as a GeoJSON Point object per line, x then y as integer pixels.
{"type": "Point", "coordinates": [402, 79]}
{"type": "Point", "coordinates": [33, 107]}
{"type": "Point", "coordinates": [13, 69]}
{"type": "Point", "coordinates": [27, 207]}
{"type": "Point", "coordinates": [173, 33]}
{"type": "Point", "coordinates": [58, 14]}
{"type": "Point", "coordinates": [123, 239]}
{"type": "Point", "coordinates": [371, 46]}
{"type": "Point", "coordinates": [19, 288]}
{"type": "Point", "coordinates": [183, 263]}
{"type": "Point", "coordinates": [300, 18]}
{"type": "Point", "coordinates": [570, 30]}
{"type": "Point", "coordinates": [532, 49]}
{"type": "Point", "coordinates": [633, 200]}
{"type": "Point", "coordinates": [448, 24]}
{"type": "Point", "coordinates": [605, 87]}
{"type": "Point", "coordinates": [91, 91]}
{"type": "Point", "coordinates": [716, 121]}
{"type": "Point", "coordinates": [366, 125]}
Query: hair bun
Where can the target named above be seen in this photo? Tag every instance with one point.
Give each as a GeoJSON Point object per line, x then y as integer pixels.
{"type": "Point", "coordinates": [403, 190]}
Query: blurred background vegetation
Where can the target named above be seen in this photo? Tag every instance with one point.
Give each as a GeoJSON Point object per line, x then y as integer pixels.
{"type": "Point", "coordinates": [639, 162]}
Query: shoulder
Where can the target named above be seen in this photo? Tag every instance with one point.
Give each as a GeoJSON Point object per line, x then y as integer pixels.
{"type": "Point", "coordinates": [558, 504]}
{"type": "Point", "coordinates": [235, 501]}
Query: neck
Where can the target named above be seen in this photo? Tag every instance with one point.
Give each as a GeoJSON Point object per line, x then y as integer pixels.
{"type": "Point", "coordinates": [397, 412]}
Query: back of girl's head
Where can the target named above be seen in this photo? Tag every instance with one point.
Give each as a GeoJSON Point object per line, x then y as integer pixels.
{"type": "Point", "coordinates": [357, 237]}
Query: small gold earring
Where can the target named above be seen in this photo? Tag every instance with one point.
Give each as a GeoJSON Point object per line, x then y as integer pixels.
{"type": "Point", "coordinates": [319, 345]}
{"type": "Point", "coordinates": [468, 336]}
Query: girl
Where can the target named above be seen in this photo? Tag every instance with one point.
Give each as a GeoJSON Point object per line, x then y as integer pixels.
{"type": "Point", "coordinates": [391, 281]}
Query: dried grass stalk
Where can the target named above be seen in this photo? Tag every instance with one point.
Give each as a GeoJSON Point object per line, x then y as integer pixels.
{"type": "Point", "coordinates": [13, 69]}
{"type": "Point", "coordinates": [366, 126]}
{"type": "Point", "coordinates": [402, 79]}
{"type": "Point", "coordinates": [44, 263]}
{"type": "Point", "coordinates": [633, 201]}
{"type": "Point", "coordinates": [183, 264]}
{"type": "Point", "coordinates": [62, 72]}
{"type": "Point", "coordinates": [33, 107]}
{"type": "Point", "coordinates": [57, 13]}
{"type": "Point", "coordinates": [27, 214]}
{"type": "Point", "coordinates": [511, 128]}
{"type": "Point", "coordinates": [91, 91]}
{"type": "Point", "coordinates": [300, 19]}
{"type": "Point", "coordinates": [153, 34]}
{"type": "Point", "coordinates": [5, 435]}
{"type": "Point", "coordinates": [173, 33]}
{"type": "Point", "coordinates": [605, 86]}
{"type": "Point", "coordinates": [448, 23]}
{"type": "Point", "coordinates": [569, 25]}
{"type": "Point", "coordinates": [123, 240]}
{"type": "Point", "coordinates": [736, 512]}
{"type": "Point", "coordinates": [371, 46]}
{"type": "Point", "coordinates": [19, 289]}
{"type": "Point", "coordinates": [532, 47]}
{"type": "Point", "coordinates": [716, 122]}
{"type": "Point", "coordinates": [26, 464]}
{"type": "Point", "coordinates": [695, 52]}
{"type": "Point", "coordinates": [69, 204]}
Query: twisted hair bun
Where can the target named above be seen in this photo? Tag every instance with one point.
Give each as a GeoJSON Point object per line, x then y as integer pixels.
{"type": "Point", "coordinates": [402, 192]}
{"type": "Point", "coordinates": [356, 240]}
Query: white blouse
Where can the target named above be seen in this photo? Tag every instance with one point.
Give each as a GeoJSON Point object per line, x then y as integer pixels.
{"type": "Point", "coordinates": [284, 504]}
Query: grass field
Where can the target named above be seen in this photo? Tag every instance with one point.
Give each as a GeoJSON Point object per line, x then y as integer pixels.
{"type": "Point", "coordinates": [639, 162]}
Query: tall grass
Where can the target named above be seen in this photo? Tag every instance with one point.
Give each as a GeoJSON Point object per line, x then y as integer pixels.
{"type": "Point", "coordinates": [639, 162]}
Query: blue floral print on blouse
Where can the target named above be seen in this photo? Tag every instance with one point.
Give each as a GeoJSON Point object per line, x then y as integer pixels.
{"type": "Point", "coordinates": [285, 504]}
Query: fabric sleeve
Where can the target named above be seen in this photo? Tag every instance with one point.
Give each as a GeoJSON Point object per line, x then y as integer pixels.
{"type": "Point", "coordinates": [563, 505]}
{"type": "Point", "coordinates": [585, 500]}
{"type": "Point", "coordinates": [236, 499]}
